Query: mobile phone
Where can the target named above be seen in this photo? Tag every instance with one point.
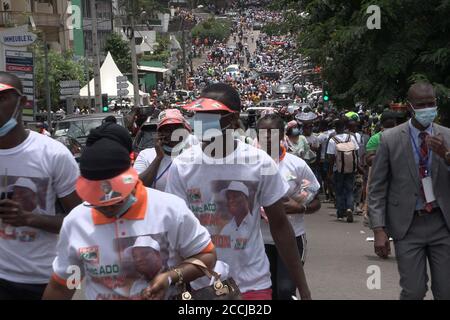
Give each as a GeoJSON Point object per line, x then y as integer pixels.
{"type": "Point", "coordinates": [6, 195]}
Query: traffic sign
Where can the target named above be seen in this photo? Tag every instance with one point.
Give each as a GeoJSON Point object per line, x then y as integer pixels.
{"type": "Point", "coordinates": [19, 68]}
{"type": "Point", "coordinates": [28, 90]}
{"type": "Point", "coordinates": [21, 63]}
{"type": "Point", "coordinates": [12, 53]}
{"type": "Point", "coordinates": [69, 91]}
{"type": "Point", "coordinates": [123, 92]}
{"type": "Point", "coordinates": [70, 84]}
{"type": "Point", "coordinates": [122, 85]}
{"type": "Point", "coordinates": [25, 76]}
{"type": "Point", "coordinates": [122, 79]}
{"type": "Point", "coordinates": [74, 96]}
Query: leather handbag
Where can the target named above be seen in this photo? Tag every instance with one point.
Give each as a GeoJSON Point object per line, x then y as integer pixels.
{"type": "Point", "coordinates": [219, 290]}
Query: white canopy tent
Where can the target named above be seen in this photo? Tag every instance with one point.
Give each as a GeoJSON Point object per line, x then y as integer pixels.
{"type": "Point", "coordinates": [152, 69]}
{"type": "Point", "coordinates": [108, 77]}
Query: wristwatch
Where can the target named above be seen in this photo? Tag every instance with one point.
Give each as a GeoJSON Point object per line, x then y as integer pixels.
{"type": "Point", "coordinates": [447, 157]}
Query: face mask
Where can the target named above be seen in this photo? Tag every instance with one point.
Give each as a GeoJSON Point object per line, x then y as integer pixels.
{"type": "Point", "coordinates": [175, 150]}
{"type": "Point", "coordinates": [425, 116]}
{"type": "Point", "coordinates": [210, 126]}
{"type": "Point", "coordinates": [12, 122]}
{"type": "Point", "coordinates": [126, 206]}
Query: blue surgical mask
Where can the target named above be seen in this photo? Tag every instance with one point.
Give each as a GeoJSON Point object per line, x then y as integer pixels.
{"type": "Point", "coordinates": [425, 116]}
{"type": "Point", "coordinates": [175, 150]}
{"type": "Point", "coordinates": [12, 122]}
{"type": "Point", "coordinates": [126, 206]}
{"type": "Point", "coordinates": [207, 126]}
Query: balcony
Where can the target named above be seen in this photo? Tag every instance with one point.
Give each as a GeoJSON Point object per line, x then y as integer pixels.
{"type": "Point", "coordinates": [16, 18]}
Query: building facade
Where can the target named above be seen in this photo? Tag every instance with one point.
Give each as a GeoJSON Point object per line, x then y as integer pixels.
{"type": "Point", "coordinates": [48, 16]}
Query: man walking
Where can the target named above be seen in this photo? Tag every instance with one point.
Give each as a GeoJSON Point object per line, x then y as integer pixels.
{"type": "Point", "coordinates": [409, 197]}
{"type": "Point", "coordinates": [35, 171]}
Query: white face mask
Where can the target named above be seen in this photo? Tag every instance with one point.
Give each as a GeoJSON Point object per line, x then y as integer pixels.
{"type": "Point", "coordinates": [425, 116]}
{"type": "Point", "coordinates": [207, 126]}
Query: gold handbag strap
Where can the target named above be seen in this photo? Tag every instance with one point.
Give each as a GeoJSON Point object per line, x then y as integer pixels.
{"type": "Point", "coordinates": [207, 271]}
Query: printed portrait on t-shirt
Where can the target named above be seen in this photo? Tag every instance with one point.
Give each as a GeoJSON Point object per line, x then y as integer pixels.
{"type": "Point", "coordinates": [31, 193]}
{"type": "Point", "coordinates": [141, 259]}
{"type": "Point", "coordinates": [232, 214]}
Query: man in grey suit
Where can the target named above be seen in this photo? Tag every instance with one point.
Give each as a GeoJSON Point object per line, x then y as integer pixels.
{"type": "Point", "coordinates": [409, 197]}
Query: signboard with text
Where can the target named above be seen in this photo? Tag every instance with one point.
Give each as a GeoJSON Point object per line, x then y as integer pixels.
{"type": "Point", "coordinates": [21, 63]}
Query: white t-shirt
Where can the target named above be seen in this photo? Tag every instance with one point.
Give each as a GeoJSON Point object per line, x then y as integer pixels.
{"type": "Point", "coordinates": [47, 169]}
{"type": "Point", "coordinates": [100, 247]}
{"type": "Point", "coordinates": [203, 182]}
{"type": "Point", "coordinates": [294, 170]}
{"type": "Point", "coordinates": [342, 138]}
{"type": "Point", "coordinates": [145, 159]}
{"type": "Point", "coordinates": [323, 139]}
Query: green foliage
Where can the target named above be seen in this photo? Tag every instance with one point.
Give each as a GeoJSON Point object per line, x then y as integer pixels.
{"type": "Point", "coordinates": [137, 7]}
{"type": "Point", "coordinates": [162, 52]}
{"type": "Point", "coordinates": [213, 29]}
{"type": "Point", "coordinates": [376, 66]}
{"type": "Point", "coordinates": [120, 51]}
{"type": "Point", "coordinates": [163, 57]}
{"type": "Point", "coordinates": [61, 67]}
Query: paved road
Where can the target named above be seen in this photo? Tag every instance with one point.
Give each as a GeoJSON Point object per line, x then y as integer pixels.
{"type": "Point", "coordinates": [338, 257]}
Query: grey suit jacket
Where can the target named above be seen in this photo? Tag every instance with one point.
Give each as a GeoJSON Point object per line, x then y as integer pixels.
{"type": "Point", "coordinates": [395, 183]}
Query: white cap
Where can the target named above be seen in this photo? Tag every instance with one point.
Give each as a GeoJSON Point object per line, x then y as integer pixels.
{"type": "Point", "coordinates": [143, 242]}
{"type": "Point", "coordinates": [26, 183]}
{"type": "Point", "coordinates": [238, 186]}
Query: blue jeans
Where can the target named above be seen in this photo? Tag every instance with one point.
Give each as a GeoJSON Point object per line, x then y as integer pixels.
{"type": "Point", "coordinates": [343, 188]}
{"type": "Point", "coordinates": [283, 288]}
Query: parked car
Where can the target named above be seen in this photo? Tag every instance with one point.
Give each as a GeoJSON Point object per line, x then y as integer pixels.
{"type": "Point", "coordinates": [184, 95]}
{"type": "Point", "coordinates": [315, 95]}
{"type": "Point", "coordinates": [73, 145]}
{"type": "Point", "coordinates": [79, 126]}
{"type": "Point", "coordinates": [275, 103]}
{"type": "Point", "coordinates": [284, 88]}
{"type": "Point", "coordinates": [233, 70]}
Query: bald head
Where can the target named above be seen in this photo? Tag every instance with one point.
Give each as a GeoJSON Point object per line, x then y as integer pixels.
{"type": "Point", "coordinates": [11, 79]}
{"type": "Point", "coordinates": [421, 93]}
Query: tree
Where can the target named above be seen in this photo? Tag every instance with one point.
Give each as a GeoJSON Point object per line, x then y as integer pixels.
{"type": "Point", "coordinates": [62, 66]}
{"type": "Point", "coordinates": [212, 29]}
{"type": "Point", "coordinates": [120, 51]}
{"type": "Point", "coordinates": [376, 66]}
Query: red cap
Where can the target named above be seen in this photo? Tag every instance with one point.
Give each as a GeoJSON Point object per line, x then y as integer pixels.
{"type": "Point", "coordinates": [107, 192]}
{"type": "Point", "coordinates": [5, 86]}
{"type": "Point", "coordinates": [172, 116]}
{"type": "Point", "coordinates": [205, 104]}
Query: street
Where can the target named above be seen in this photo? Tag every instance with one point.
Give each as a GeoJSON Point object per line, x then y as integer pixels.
{"type": "Point", "coordinates": [338, 257]}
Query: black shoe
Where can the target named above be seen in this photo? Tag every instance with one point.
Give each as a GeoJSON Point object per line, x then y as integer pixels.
{"type": "Point", "coordinates": [349, 216]}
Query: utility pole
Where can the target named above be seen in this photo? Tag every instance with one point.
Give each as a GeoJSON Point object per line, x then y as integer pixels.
{"type": "Point", "coordinates": [134, 63]}
{"type": "Point", "coordinates": [97, 80]}
{"type": "Point", "coordinates": [86, 67]}
{"type": "Point", "coordinates": [183, 45]}
{"type": "Point", "coordinates": [47, 85]}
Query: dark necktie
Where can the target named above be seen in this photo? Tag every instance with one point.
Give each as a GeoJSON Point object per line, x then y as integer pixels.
{"type": "Point", "coordinates": [423, 164]}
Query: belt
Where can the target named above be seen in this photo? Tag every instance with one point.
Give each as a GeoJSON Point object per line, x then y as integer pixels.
{"type": "Point", "coordinates": [422, 213]}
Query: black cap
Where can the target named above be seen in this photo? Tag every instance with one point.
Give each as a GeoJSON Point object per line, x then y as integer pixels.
{"type": "Point", "coordinates": [107, 152]}
{"type": "Point", "coordinates": [111, 131]}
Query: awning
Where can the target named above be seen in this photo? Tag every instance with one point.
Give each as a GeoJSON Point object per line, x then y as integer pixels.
{"type": "Point", "coordinates": [153, 69]}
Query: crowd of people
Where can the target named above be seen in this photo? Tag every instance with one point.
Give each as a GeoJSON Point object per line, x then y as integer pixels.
{"type": "Point", "coordinates": [228, 195]}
